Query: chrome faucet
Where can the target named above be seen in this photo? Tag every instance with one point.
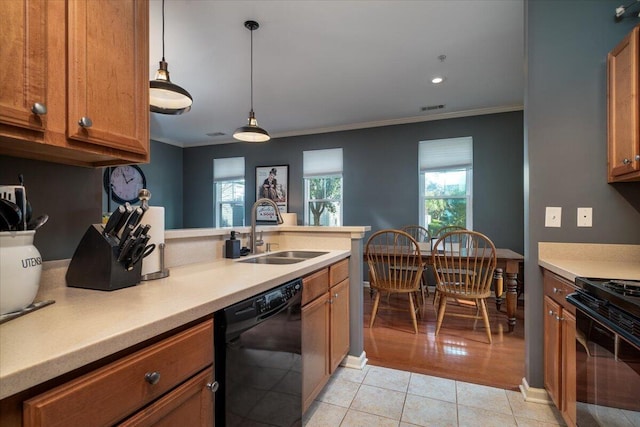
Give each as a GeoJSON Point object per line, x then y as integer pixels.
{"type": "Point", "coordinates": [259, 242]}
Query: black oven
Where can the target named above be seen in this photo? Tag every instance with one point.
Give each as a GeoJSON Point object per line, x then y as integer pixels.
{"type": "Point", "coordinates": [607, 352]}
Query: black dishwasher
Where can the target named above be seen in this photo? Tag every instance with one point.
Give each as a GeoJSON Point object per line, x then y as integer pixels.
{"type": "Point", "coordinates": [258, 361]}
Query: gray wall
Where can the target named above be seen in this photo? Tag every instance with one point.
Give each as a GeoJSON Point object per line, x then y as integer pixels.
{"type": "Point", "coordinates": [565, 142]}
{"type": "Point", "coordinates": [70, 195]}
{"type": "Point", "coordinates": [381, 173]}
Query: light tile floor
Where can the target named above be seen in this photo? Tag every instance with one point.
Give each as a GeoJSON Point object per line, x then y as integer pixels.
{"type": "Point", "coordinates": [377, 396]}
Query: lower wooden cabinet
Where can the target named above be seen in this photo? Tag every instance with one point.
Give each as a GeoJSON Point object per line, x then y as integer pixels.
{"type": "Point", "coordinates": [188, 405]}
{"type": "Point", "coordinates": [325, 327]}
{"type": "Point", "coordinates": [560, 346]}
{"type": "Point", "coordinates": [167, 381]}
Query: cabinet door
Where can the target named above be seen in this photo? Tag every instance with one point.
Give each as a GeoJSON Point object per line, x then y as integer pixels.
{"type": "Point", "coordinates": [108, 73]}
{"type": "Point", "coordinates": [315, 348]}
{"type": "Point", "coordinates": [339, 323]}
{"type": "Point", "coordinates": [624, 109]}
{"type": "Point", "coordinates": [191, 404]}
{"type": "Point", "coordinates": [22, 85]}
{"type": "Point", "coordinates": [552, 350]}
{"type": "Point", "coordinates": [569, 367]}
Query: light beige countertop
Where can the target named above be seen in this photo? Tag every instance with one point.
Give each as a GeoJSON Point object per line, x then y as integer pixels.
{"type": "Point", "coordinates": [607, 261]}
{"type": "Point", "coordinates": [86, 325]}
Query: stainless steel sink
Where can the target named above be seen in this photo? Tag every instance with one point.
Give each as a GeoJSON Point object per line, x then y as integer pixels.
{"type": "Point", "coordinates": [296, 254]}
{"type": "Point", "coordinates": [272, 260]}
{"type": "Point", "coordinates": [284, 257]}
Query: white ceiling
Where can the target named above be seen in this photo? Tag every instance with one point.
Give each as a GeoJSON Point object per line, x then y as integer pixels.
{"type": "Point", "coordinates": [334, 65]}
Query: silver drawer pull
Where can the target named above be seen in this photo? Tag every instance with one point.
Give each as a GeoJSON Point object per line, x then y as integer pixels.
{"type": "Point", "coordinates": [85, 122]}
{"type": "Point", "coordinates": [551, 313]}
{"type": "Point", "coordinates": [152, 377]}
{"type": "Point", "coordinates": [213, 386]}
{"type": "Point", "coordinates": [38, 109]}
{"type": "Point", "coordinates": [557, 291]}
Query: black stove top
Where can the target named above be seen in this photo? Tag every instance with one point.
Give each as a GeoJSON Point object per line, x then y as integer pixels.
{"type": "Point", "coordinates": [624, 294]}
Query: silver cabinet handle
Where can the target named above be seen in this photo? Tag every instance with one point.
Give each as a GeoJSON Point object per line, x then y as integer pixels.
{"type": "Point", "coordinates": [637, 157]}
{"type": "Point", "coordinates": [38, 109]}
{"type": "Point", "coordinates": [551, 313]}
{"type": "Point", "coordinates": [152, 377]}
{"type": "Point", "coordinates": [335, 296]}
{"type": "Point", "coordinates": [557, 291]}
{"type": "Point", "coordinates": [85, 122]}
{"type": "Point", "coordinates": [213, 387]}
{"type": "Point", "coordinates": [559, 319]}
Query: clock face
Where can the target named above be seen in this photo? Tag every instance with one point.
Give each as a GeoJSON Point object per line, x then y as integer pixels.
{"type": "Point", "coordinates": [125, 182]}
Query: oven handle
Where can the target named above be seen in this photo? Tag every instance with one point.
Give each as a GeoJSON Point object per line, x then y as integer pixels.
{"type": "Point", "coordinates": [575, 300]}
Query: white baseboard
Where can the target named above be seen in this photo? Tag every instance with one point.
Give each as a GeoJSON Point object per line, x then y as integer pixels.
{"type": "Point", "coordinates": [534, 395]}
{"type": "Point", "coordinates": [355, 362]}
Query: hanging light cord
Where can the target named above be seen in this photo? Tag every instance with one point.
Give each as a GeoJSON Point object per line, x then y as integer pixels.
{"type": "Point", "coordinates": [163, 30]}
{"type": "Point", "coordinates": [251, 68]}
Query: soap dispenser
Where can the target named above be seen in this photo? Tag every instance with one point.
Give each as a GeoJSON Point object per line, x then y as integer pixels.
{"type": "Point", "coordinates": [232, 247]}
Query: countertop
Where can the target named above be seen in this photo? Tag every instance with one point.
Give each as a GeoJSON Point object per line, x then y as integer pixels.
{"type": "Point", "coordinates": [609, 261]}
{"type": "Point", "coordinates": [85, 325]}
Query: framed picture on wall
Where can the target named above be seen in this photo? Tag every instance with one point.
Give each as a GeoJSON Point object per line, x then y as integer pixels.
{"type": "Point", "coordinates": [272, 182]}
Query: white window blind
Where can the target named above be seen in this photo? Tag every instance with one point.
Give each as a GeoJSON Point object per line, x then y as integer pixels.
{"type": "Point", "coordinates": [322, 162]}
{"type": "Point", "coordinates": [228, 169]}
{"type": "Point", "coordinates": [445, 153]}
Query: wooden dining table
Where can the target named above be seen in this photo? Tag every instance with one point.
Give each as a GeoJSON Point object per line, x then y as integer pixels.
{"type": "Point", "coordinates": [507, 267]}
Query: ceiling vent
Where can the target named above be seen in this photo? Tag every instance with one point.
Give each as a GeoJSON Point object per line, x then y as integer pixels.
{"type": "Point", "coordinates": [432, 107]}
{"type": "Point", "coordinates": [216, 134]}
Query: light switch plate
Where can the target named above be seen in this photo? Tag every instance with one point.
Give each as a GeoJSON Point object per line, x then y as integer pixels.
{"type": "Point", "coordinates": [585, 217]}
{"type": "Point", "coordinates": [553, 216]}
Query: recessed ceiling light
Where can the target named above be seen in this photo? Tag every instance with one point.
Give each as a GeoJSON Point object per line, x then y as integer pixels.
{"type": "Point", "coordinates": [437, 80]}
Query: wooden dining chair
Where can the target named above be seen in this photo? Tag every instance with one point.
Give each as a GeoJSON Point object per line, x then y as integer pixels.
{"type": "Point", "coordinates": [446, 229]}
{"type": "Point", "coordinates": [395, 267]}
{"type": "Point", "coordinates": [421, 235]}
{"type": "Point", "coordinates": [464, 270]}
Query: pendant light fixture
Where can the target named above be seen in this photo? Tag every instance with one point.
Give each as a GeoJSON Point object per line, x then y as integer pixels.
{"type": "Point", "coordinates": [251, 132]}
{"type": "Point", "coordinates": [166, 97]}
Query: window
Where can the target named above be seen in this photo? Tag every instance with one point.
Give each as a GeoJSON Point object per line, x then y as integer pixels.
{"type": "Point", "coordinates": [446, 176]}
{"type": "Point", "coordinates": [322, 170]}
{"type": "Point", "coordinates": [228, 179]}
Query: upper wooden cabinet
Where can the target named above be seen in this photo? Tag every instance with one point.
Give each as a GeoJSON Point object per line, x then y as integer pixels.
{"type": "Point", "coordinates": [78, 92]}
{"type": "Point", "coordinates": [624, 109]}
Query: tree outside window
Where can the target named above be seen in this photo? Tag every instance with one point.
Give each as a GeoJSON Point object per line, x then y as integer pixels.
{"type": "Point", "coordinates": [446, 177]}
{"type": "Point", "coordinates": [446, 198]}
{"type": "Point", "coordinates": [230, 203]}
{"type": "Point", "coordinates": [324, 201]}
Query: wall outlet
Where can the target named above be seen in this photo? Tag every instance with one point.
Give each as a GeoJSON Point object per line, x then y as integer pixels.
{"type": "Point", "coordinates": [553, 216]}
{"type": "Point", "coordinates": [585, 217]}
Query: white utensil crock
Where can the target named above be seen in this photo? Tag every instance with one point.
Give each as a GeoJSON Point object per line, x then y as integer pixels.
{"type": "Point", "coordinates": [20, 269]}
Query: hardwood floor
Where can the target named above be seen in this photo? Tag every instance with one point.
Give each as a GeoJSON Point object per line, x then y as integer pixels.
{"type": "Point", "coordinates": [458, 352]}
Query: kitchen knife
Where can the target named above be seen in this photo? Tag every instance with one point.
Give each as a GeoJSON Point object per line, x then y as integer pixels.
{"type": "Point", "coordinates": [122, 220]}
{"type": "Point", "coordinates": [140, 212]}
{"type": "Point", "coordinates": [114, 219]}
{"type": "Point", "coordinates": [127, 234]}
{"type": "Point", "coordinates": [126, 245]}
{"type": "Point", "coordinates": [133, 220]}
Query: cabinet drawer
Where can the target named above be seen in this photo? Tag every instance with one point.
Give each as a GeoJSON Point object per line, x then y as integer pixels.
{"type": "Point", "coordinates": [338, 272]}
{"type": "Point", "coordinates": [115, 391]}
{"type": "Point", "coordinates": [557, 289]}
{"type": "Point", "coordinates": [315, 285]}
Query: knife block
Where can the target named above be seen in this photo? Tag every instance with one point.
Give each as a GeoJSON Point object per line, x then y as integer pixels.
{"type": "Point", "coordinates": [95, 264]}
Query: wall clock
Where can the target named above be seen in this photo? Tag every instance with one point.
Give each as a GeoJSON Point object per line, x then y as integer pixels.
{"type": "Point", "coordinates": [125, 182]}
